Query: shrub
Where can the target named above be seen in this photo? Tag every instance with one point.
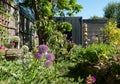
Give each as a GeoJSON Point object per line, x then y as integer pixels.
{"type": "Point", "coordinates": [110, 33]}
{"type": "Point", "coordinates": [60, 46]}
{"type": "Point", "coordinates": [3, 35]}
{"type": "Point", "coordinates": [15, 39]}
{"type": "Point", "coordinates": [2, 52]}
{"type": "Point", "coordinates": [64, 26]}
{"type": "Point", "coordinates": [25, 49]}
{"type": "Point", "coordinates": [38, 69]}
{"type": "Point", "coordinates": [95, 52]}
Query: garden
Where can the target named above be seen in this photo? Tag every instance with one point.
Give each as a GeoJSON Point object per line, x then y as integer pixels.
{"type": "Point", "coordinates": [57, 60]}
{"type": "Point", "coordinates": [60, 61]}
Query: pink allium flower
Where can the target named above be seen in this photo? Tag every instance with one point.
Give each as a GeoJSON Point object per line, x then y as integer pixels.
{"type": "Point", "coordinates": [48, 63]}
{"type": "Point", "coordinates": [50, 57]}
{"type": "Point", "coordinates": [43, 48]}
{"type": "Point", "coordinates": [3, 48]}
{"type": "Point", "coordinates": [38, 55]}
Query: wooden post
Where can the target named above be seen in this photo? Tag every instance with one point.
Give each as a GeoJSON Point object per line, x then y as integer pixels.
{"type": "Point", "coordinates": [85, 34]}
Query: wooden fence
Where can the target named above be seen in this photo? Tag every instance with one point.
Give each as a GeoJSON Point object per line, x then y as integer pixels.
{"type": "Point", "coordinates": [76, 32]}
{"type": "Point", "coordinates": [94, 27]}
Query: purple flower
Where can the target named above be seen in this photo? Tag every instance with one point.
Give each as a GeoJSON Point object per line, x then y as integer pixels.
{"type": "Point", "coordinates": [38, 55]}
{"type": "Point", "coordinates": [43, 48]}
{"type": "Point", "coordinates": [50, 57]}
{"type": "Point", "coordinates": [93, 79]}
{"type": "Point", "coordinates": [48, 63]}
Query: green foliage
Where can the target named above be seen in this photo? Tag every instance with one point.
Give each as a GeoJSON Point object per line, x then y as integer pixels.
{"type": "Point", "coordinates": [64, 26]}
{"type": "Point", "coordinates": [33, 27]}
{"type": "Point", "coordinates": [116, 68]}
{"type": "Point", "coordinates": [2, 8]}
{"type": "Point", "coordinates": [4, 39]}
{"type": "Point", "coordinates": [32, 71]}
{"type": "Point", "coordinates": [64, 72]}
{"type": "Point", "coordinates": [111, 33]}
{"type": "Point", "coordinates": [3, 36]}
{"type": "Point", "coordinates": [45, 10]}
{"type": "Point", "coordinates": [45, 29]}
{"type": "Point", "coordinates": [75, 53]}
{"type": "Point", "coordinates": [19, 72]}
{"type": "Point", "coordinates": [69, 5]}
{"type": "Point", "coordinates": [2, 52]}
{"type": "Point", "coordinates": [48, 8]}
{"type": "Point", "coordinates": [15, 39]}
{"type": "Point", "coordinates": [112, 11]}
{"type": "Point", "coordinates": [97, 18]}
{"type": "Point", "coordinates": [46, 25]}
{"type": "Point", "coordinates": [25, 49]}
{"type": "Point", "coordinates": [60, 46]}
{"type": "Point", "coordinates": [96, 59]}
{"type": "Point", "coordinates": [96, 52]}
{"type": "Point", "coordinates": [92, 54]}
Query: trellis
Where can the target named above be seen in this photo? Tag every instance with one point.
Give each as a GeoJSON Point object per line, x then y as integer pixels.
{"type": "Point", "coordinates": [8, 21]}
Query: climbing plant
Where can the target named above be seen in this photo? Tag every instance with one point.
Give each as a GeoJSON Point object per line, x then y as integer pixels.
{"type": "Point", "coordinates": [3, 36]}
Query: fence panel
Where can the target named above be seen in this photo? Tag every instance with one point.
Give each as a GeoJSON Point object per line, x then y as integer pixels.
{"type": "Point", "coordinates": [76, 32]}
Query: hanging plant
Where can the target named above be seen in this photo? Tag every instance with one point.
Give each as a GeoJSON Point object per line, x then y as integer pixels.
{"type": "Point", "coordinates": [15, 39]}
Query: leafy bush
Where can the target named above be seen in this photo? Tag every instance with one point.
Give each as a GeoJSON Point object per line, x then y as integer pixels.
{"type": "Point", "coordinates": [95, 52]}
{"type": "Point", "coordinates": [34, 69]}
{"type": "Point", "coordinates": [60, 46]}
{"type": "Point", "coordinates": [97, 60]}
{"type": "Point", "coordinates": [15, 39]}
{"type": "Point", "coordinates": [25, 48]}
{"type": "Point", "coordinates": [115, 67]}
{"type": "Point", "coordinates": [110, 33]}
{"type": "Point", "coordinates": [3, 36]}
{"type": "Point", "coordinates": [2, 52]}
{"type": "Point", "coordinates": [64, 26]}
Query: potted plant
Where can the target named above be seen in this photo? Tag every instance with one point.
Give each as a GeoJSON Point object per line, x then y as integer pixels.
{"type": "Point", "coordinates": [14, 41]}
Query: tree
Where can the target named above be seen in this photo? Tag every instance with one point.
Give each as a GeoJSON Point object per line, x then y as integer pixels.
{"type": "Point", "coordinates": [97, 18]}
{"type": "Point", "coordinates": [45, 10]}
{"type": "Point", "coordinates": [111, 11]}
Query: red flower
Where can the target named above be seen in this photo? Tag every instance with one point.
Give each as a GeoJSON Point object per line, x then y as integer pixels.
{"type": "Point", "coordinates": [3, 48]}
{"type": "Point", "coordinates": [90, 79]}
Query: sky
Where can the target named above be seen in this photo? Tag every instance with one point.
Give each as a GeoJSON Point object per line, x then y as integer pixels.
{"type": "Point", "coordinates": [93, 7]}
